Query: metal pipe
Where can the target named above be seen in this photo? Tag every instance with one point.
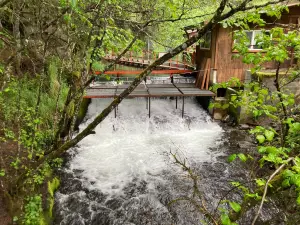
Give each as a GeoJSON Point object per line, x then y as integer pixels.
{"type": "Point", "coordinates": [182, 106]}
{"type": "Point", "coordinates": [149, 106]}
{"type": "Point", "coordinates": [147, 103]}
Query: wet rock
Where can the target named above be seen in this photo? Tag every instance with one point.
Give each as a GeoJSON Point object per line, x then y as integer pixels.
{"type": "Point", "coordinates": [165, 198]}
{"type": "Point", "coordinates": [101, 218]}
{"type": "Point", "coordinates": [226, 119]}
{"type": "Point", "coordinates": [94, 195]}
{"type": "Point", "coordinates": [98, 207]}
{"type": "Point", "coordinates": [75, 204]}
{"type": "Point", "coordinates": [70, 185]}
{"type": "Point", "coordinates": [244, 127]}
{"type": "Point", "coordinates": [114, 203]}
{"type": "Point", "coordinates": [73, 219]}
{"type": "Point", "coordinates": [245, 145]}
{"type": "Point", "coordinates": [135, 189]}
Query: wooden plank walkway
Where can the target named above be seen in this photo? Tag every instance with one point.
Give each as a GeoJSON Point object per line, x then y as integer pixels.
{"type": "Point", "coordinates": [148, 90]}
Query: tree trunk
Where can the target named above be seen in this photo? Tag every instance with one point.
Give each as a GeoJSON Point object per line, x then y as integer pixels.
{"type": "Point", "coordinates": [17, 36]}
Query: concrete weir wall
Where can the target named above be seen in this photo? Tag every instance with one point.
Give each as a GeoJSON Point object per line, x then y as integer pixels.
{"type": "Point", "coordinates": [204, 101]}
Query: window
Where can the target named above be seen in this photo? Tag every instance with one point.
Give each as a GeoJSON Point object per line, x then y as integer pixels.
{"type": "Point", "coordinates": [252, 35]}
{"type": "Point", "coordinates": [206, 42]}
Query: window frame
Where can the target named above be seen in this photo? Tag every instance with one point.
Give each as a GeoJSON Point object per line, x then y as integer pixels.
{"type": "Point", "coordinates": [252, 41]}
{"type": "Point", "coordinates": [205, 38]}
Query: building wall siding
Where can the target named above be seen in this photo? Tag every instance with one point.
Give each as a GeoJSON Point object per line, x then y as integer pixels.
{"type": "Point", "coordinates": [222, 56]}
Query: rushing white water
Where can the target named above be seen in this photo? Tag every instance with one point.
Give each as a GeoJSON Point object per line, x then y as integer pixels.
{"type": "Point", "coordinates": [133, 148]}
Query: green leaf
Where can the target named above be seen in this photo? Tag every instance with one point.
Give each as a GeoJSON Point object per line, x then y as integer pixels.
{"type": "Point", "coordinates": [255, 196]}
{"type": "Point", "coordinates": [6, 89]}
{"type": "Point", "coordinates": [73, 3]}
{"type": "Point", "coordinates": [232, 157]}
{"type": "Point", "coordinates": [260, 182]}
{"type": "Point", "coordinates": [235, 206]}
{"type": "Point", "coordinates": [2, 173]}
{"type": "Point", "coordinates": [298, 199]}
{"type": "Point", "coordinates": [233, 97]}
{"type": "Point", "coordinates": [225, 106]}
{"type": "Point", "coordinates": [269, 135]}
{"type": "Point", "coordinates": [286, 183]}
{"type": "Point", "coordinates": [225, 219]}
{"type": "Point", "coordinates": [260, 138]}
{"type": "Point", "coordinates": [287, 174]}
{"type": "Point", "coordinates": [242, 157]}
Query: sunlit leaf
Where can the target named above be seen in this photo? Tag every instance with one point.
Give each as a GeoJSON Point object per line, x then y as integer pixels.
{"type": "Point", "coordinates": [242, 157]}
{"type": "Point", "coordinates": [232, 157]}
{"type": "Point", "coordinates": [260, 138]}
{"type": "Point", "coordinates": [260, 182]}
{"type": "Point", "coordinates": [269, 135]}
{"type": "Point", "coordinates": [2, 173]}
{"type": "Point", "coordinates": [225, 219]}
{"type": "Point", "coordinates": [235, 206]}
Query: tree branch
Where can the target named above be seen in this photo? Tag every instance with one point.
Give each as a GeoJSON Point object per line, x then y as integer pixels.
{"type": "Point", "coordinates": [218, 16]}
{"type": "Point", "coordinates": [266, 189]}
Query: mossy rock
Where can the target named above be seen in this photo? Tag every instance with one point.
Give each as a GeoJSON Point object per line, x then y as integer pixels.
{"type": "Point", "coordinates": [263, 74]}
{"type": "Point", "coordinates": [82, 111]}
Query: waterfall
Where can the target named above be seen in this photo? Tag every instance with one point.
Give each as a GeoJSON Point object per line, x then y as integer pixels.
{"type": "Point", "coordinates": [124, 173]}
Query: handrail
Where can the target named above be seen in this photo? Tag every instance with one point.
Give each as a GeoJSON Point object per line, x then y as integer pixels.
{"type": "Point", "coordinates": [147, 57]}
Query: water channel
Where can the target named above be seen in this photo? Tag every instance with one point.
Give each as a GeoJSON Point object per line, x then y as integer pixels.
{"type": "Point", "coordinates": [124, 173]}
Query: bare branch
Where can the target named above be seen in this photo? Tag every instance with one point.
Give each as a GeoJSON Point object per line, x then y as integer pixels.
{"type": "Point", "coordinates": [266, 189]}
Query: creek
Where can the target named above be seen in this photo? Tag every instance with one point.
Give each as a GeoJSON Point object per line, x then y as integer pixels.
{"type": "Point", "coordinates": [124, 174]}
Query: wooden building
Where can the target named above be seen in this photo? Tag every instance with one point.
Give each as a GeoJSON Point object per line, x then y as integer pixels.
{"type": "Point", "coordinates": [216, 52]}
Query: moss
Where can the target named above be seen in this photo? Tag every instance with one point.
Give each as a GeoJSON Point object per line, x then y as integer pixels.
{"type": "Point", "coordinates": [82, 111]}
{"type": "Point", "coordinates": [269, 74]}
{"type": "Point", "coordinates": [52, 187]}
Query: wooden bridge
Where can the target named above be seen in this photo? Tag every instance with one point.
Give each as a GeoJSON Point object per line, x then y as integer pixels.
{"type": "Point", "coordinates": [177, 65]}
{"type": "Point", "coordinates": [145, 58]}
{"type": "Point", "coordinates": [148, 91]}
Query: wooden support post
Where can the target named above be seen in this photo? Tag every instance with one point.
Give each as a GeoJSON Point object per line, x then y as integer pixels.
{"type": "Point", "coordinates": [176, 101]}
{"type": "Point", "coordinates": [115, 112]}
{"type": "Point", "coordinates": [147, 102]}
{"type": "Point", "coordinates": [206, 75]}
{"type": "Point", "coordinates": [149, 106]}
{"type": "Point", "coordinates": [182, 106]}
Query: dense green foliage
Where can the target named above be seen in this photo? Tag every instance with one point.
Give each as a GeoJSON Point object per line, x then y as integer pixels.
{"type": "Point", "coordinates": [277, 140]}
{"type": "Point", "coordinates": [50, 51]}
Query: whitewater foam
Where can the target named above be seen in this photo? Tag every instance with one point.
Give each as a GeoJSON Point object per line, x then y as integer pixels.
{"type": "Point", "coordinates": [133, 146]}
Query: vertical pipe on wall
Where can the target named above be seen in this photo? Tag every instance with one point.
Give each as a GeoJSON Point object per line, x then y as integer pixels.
{"type": "Point", "coordinates": [149, 106]}
{"type": "Point", "coordinates": [182, 106]}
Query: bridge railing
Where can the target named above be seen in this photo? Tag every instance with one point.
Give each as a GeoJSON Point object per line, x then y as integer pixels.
{"type": "Point", "coordinates": [185, 59]}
